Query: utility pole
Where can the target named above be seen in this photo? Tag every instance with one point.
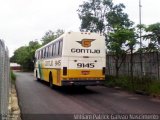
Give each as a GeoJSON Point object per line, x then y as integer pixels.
{"type": "Point", "coordinates": [140, 35]}
{"type": "Point", "coordinates": [140, 23]}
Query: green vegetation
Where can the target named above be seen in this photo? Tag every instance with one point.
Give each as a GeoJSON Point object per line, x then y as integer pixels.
{"type": "Point", "coordinates": [144, 85]}
{"type": "Point", "coordinates": [24, 55]}
{"type": "Point", "coordinates": [155, 88]}
{"type": "Point", "coordinates": [151, 33]}
{"type": "Point", "coordinates": [49, 36]}
{"type": "Point", "coordinates": [122, 35]}
{"type": "Point", "coordinates": [13, 77]}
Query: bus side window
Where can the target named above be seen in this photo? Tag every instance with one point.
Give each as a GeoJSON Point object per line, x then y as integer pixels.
{"type": "Point", "coordinates": [58, 51]}
{"type": "Point", "coordinates": [39, 55]}
{"type": "Point", "coordinates": [60, 47]}
{"type": "Point", "coordinates": [50, 47]}
{"type": "Point", "coordinates": [42, 54]}
{"type": "Point", "coordinates": [49, 53]}
{"type": "Point", "coordinates": [54, 51]}
{"type": "Point", "coordinates": [46, 52]}
{"type": "Point", "coordinates": [57, 48]}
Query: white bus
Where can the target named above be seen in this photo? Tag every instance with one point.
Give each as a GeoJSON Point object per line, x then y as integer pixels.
{"type": "Point", "coordinates": [75, 58]}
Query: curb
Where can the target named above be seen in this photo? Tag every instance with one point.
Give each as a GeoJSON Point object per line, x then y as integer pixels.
{"type": "Point", "coordinates": [13, 104]}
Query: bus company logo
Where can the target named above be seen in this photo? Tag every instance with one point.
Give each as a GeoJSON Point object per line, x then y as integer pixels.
{"type": "Point", "coordinates": [86, 42]}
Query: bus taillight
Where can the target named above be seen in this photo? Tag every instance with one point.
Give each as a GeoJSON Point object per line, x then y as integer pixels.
{"type": "Point", "coordinates": [103, 70]}
{"type": "Point", "coordinates": [64, 70]}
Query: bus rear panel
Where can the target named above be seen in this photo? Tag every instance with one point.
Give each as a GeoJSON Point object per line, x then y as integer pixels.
{"type": "Point", "coordinates": [83, 59]}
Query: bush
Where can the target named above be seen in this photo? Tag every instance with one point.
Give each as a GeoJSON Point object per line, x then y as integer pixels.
{"type": "Point", "coordinates": [13, 76]}
{"type": "Point", "coordinates": [154, 88]}
{"type": "Point", "coordinates": [123, 82]}
{"type": "Point", "coordinates": [146, 84]}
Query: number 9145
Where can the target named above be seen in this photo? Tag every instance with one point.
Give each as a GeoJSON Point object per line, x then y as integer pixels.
{"type": "Point", "coordinates": [85, 65]}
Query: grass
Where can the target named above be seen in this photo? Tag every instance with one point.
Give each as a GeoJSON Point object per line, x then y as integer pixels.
{"type": "Point", "coordinates": [145, 85]}
{"type": "Point", "coordinates": [13, 77]}
{"type": "Point", "coordinates": [122, 82]}
{"type": "Point", "coordinates": [155, 88]}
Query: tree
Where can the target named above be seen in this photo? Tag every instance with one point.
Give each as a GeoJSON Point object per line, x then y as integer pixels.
{"type": "Point", "coordinates": [25, 55]}
{"type": "Point", "coordinates": [153, 34]}
{"type": "Point", "coordinates": [141, 28]}
{"type": "Point", "coordinates": [59, 32]}
{"type": "Point", "coordinates": [131, 42]}
{"type": "Point", "coordinates": [93, 15]}
{"type": "Point", "coordinates": [105, 17]}
{"type": "Point", "coordinates": [102, 15]}
{"type": "Point", "coordinates": [121, 41]}
{"type": "Point", "coordinates": [50, 35]}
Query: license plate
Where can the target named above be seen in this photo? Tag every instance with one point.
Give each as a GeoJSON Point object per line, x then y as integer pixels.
{"type": "Point", "coordinates": [85, 72]}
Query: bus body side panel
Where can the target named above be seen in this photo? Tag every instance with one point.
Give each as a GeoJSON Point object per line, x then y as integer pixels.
{"type": "Point", "coordinates": [56, 77]}
{"type": "Point", "coordinates": [45, 67]}
{"type": "Point", "coordinates": [45, 74]}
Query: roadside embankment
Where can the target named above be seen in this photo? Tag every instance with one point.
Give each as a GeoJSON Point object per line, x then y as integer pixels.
{"type": "Point", "coordinates": [14, 108]}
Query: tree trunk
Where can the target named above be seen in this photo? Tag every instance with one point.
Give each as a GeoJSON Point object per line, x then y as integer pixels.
{"type": "Point", "coordinates": [117, 68]}
{"type": "Point", "coordinates": [131, 68]}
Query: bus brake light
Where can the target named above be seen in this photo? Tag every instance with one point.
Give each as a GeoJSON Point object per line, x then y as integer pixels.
{"type": "Point", "coordinates": [64, 70]}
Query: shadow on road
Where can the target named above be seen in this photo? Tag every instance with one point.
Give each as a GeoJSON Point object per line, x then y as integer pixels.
{"type": "Point", "coordinates": [70, 90]}
{"type": "Point", "coordinates": [74, 90]}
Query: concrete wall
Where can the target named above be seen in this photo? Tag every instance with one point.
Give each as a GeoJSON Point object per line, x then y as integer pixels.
{"type": "Point", "coordinates": [150, 64]}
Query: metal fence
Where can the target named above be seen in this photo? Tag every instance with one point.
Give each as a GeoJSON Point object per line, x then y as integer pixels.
{"type": "Point", "coordinates": [150, 65]}
{"type": "Point", "coordinates": [4, 81]}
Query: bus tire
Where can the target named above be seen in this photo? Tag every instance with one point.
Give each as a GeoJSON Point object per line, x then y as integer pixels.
{"type": "Point", "coordinates": [50, 80]}
{"type": "Point", "coordinates": [37, 76]}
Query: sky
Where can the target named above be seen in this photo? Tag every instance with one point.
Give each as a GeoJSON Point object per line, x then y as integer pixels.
{"type": "Point", "coordinates": [22, 21]}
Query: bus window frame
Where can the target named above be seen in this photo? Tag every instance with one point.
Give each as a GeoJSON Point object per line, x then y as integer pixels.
{"type": "Point", "coordinates": [53, 50]}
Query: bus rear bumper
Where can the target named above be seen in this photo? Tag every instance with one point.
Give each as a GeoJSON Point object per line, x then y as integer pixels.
{"type": "Point", "coordinates": [82, 82]}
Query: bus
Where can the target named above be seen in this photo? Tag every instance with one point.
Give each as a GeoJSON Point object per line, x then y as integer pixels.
{"type": "Point", "coordinates": [73, 59]}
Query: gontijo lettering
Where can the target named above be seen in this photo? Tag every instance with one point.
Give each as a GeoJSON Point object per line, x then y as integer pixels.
{"type": "Point", "coordinates": [74, 50]}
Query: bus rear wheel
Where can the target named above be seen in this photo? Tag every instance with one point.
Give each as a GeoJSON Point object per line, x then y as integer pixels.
{"type": "Point", "coordinates": [37, 76]}
{"type": "Point", "coordinates": [50, 81]}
